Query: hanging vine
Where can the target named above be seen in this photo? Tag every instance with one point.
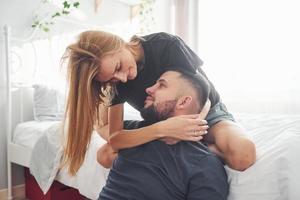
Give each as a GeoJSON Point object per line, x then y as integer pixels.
{"type": "Point", "coordinates": [45, 23]}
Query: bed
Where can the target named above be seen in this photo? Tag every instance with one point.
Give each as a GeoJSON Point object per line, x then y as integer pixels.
{"type": "Point", "coordinates": [89, 179]}
{"type": "Point", "coordinates": [273, 176]}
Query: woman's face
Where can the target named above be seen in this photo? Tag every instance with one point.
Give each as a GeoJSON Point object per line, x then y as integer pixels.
{"type": "Point", "coordinates": [119, 66]}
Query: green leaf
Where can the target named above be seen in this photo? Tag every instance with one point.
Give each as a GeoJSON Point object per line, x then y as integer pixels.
{"type": "Point", "coordinates": [66, 4]}
{"type": "Point", "coordinates": [76, 4]}
{"type": "Point", "coordinates": [56, 14]}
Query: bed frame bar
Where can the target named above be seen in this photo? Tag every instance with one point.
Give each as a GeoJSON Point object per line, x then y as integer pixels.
{"type": "Point", "coordinates": [7, 32]}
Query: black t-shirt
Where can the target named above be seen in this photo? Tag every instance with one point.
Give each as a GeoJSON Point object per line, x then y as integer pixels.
{"type": "Point", "coordinates": [155, 171]}
{"type": "Point", "coordinates": [162, 52]}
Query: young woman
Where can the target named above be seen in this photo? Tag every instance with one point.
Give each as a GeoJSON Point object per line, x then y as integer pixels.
{"type": "Point", "coordinates": [99, 61]}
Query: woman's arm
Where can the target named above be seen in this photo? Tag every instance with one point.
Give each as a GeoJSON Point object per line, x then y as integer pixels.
{"type": "Point", "coordinates": [102, 123]}
{"type": "Point", "coordinates": [106, 155]}
{"type": "Point", "coordinates": [120, 138]}
{"type": "Point", "coordinates": [181, 127]}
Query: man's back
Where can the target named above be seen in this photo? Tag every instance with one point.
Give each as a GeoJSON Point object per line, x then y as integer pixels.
{"type": "Point", "coordinates": [186, 170]}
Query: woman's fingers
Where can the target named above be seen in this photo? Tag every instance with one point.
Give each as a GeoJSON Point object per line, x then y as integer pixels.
{"type": "Point", "coordinates": [196, 139]}
{"type": "Point", "coordinates": [194, 116]}
{"type": "Point", "coordinates": [195, 119]}
{"type": "Point", "coordinates": [187, 127]}
{"type": "Point", "coordinates": [197, 133]}
{"type": "Point", "coordinates": [202, 122]}
{"type": "Point", "coordinates": [197, 128]}
{"type": "Point", "coordinates": [198, 122]}
{"type": "Point", "coordinates": [205, 110]}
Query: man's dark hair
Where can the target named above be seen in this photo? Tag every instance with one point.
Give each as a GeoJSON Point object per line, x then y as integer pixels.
{"type": "Point", "coordinates": [200, 85]}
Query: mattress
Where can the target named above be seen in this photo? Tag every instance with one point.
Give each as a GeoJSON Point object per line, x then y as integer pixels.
{"type": "Point", "coordinates": [91, 176]}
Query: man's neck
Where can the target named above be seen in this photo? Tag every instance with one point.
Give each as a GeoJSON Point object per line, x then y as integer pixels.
{"type": "Point", "coordinates": [180, 112]}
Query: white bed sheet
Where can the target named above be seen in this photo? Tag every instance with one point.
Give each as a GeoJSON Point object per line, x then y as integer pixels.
{"type": "Point", "coordinates": [27, 133]}
{"type": "Point", "coordinates": [274, 176]}
{"type": "Point", "coordinates": [91, 176]}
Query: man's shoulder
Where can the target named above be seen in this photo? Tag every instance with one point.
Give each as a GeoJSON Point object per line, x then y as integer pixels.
{"type": "Point", "coordinates": [197, 154]}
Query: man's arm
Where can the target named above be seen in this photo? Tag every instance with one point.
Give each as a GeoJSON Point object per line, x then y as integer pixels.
{"type": "Point", "coordinates": [230, 143]}
{"type": "Point", "coordinates": [209, 182]}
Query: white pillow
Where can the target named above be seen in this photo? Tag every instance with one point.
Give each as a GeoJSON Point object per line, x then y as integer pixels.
{"type": "Point", "coordinates": [49, 103]}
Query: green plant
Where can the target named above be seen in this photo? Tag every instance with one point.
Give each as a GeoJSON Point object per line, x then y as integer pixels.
{"type": "Point", "coordinates": [44, 24]}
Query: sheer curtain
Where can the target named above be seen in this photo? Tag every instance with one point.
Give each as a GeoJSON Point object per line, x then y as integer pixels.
{"type": "Point", "coordinates": [250, 49]}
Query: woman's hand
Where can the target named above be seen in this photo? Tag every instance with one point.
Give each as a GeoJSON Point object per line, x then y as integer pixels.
{"type": "Point", "coordinates": [186, 127]}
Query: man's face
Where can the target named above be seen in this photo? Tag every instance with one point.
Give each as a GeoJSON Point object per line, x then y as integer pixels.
{"type": "Point", "coordinates": [162, 97]}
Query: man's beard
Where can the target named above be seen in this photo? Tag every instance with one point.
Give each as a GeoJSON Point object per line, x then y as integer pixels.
{"type": "Point", "coordinates": [161, 111]}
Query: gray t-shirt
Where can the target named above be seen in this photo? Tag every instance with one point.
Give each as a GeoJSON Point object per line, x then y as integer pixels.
{"type": "Point", "coordinates": [155, 170]}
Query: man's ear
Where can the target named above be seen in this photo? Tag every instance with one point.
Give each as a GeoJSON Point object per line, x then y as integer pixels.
{"type": "Point", "coordinates": [184, 101]}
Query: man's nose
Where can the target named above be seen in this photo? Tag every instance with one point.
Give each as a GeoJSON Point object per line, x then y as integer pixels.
{"type": "Point", "coordinates": [150, 90]}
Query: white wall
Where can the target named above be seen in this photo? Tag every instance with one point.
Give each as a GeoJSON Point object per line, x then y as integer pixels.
{"type": "Point", "coordinates": [251, 53]}
{"type": "Point", "coordinates": [250, 50]}
{"type": "Point", "coordinates": [19, 15]}
{"type": "Point", "coordinates": [162, 12]}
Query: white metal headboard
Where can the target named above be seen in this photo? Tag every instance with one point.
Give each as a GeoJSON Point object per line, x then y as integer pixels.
{"type": "Point", "coordinates": [16, 90]}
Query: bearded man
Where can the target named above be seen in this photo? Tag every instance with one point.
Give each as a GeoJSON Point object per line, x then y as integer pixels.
{"type": "Point", "coordinates": [159, 170]}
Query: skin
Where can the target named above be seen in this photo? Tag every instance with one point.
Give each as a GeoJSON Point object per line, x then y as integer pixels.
{"type": "Point", "coordinates": [226, 138]}
{"type": "Point", "coordinates": [118, 66]}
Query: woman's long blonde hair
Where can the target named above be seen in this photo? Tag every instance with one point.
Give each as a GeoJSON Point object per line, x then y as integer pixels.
{"type": "Point", "coordinates": [85, 94]}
